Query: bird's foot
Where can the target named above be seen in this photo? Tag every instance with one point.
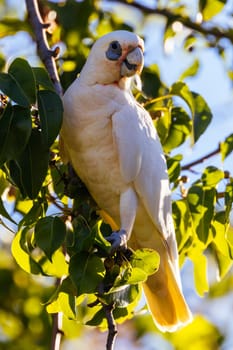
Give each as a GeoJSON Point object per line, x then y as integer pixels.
{"type": "Point", "coordinates": [118, 240]}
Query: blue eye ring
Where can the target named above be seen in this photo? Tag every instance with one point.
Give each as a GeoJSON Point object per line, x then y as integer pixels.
{"type": "Point", "coordinates": [114, 51]}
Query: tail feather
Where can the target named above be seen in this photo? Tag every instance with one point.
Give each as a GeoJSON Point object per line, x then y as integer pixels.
{"type": "Point", "coordinates": [165, 299]}
{"type": "Point", "coordinates": [163, 289]}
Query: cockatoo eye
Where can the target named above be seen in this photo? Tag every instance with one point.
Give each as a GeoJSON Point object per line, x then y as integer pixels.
{"type": "Point", "coordinates": [114, 51]}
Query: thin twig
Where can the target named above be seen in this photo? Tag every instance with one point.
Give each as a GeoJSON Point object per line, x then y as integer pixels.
{"type": "Point", "coordinates": [57, 333]}
{"type": "Point", "coordinates": [201, 160]}
{"type": "Point", "coordinates": [218, 33]}
{"type": "Point", "coordinates": [46, 54]}
{"type": "Point", "coordinates": [112, 330]}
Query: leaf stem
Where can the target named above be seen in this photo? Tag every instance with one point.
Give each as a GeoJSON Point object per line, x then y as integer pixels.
{"type": "Point", "coordinates": [158, 99]}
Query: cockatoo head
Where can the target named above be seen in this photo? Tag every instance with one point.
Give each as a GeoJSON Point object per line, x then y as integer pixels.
{"type": "Point", "coordinates": [115, 56]}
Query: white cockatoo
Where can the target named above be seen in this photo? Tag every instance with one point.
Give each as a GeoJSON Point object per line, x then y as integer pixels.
{"type": "Point", "coordinates": [112, 144]}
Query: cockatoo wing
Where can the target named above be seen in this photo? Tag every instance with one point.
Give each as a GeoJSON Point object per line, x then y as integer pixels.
{"type": "Point", "coordinates": [142, 163]}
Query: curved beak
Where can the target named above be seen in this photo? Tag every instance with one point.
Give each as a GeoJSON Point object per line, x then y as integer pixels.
{"type": "Point", "coordinates": [132, 63]}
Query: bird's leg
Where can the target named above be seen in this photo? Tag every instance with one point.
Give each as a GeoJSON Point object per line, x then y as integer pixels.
{"type": "Point", "coordinates": [128, 209]}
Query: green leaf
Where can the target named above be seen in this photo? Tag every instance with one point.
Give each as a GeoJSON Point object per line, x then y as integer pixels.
{"type": "Point", "coordinates": [173, 165]}
{"type": "Point", "coordinates": [50, 233]}
{"type": "Point", "coordinates": [122, 297]}
{"type": "Point", "coordinates": [201, 112]}
{"type": "Point", "coordinates": [4, 212]}
{"type": "Point", "coordinates": [183, 222]}
{"type": "Point", "coordinates": [181, 89]}
{"type": "Point", "coordinates": [65, 303]}
{"type": "Point", "coordinates": [12, 89]}
{"type": "Point", "coordinates": [212, 176]}
{"type": "Point", "coordinates": [23, 74]}
{"type": "Point", "coordinates": [163, 125]}
{"type": "Point", "coordinates": [86, 272]}
{"type": "Point", "coordinates": [42, 78]}
{"type": "Point", "coordinates": [210, 8]}
{"type": "Point", "coordinates": [50, 112]}
{"type": "Point", "coordinates": [15, 130]}
{"type": "Point", "coordinates": [100, 241]}
{"type": "Point", "coordinates": [228, 198]}
{"type": "Point", "coordinates": [22, 256]}
{"type": "Point", "coordinates": [201, 202]}
{"type": "Point", "coordinates": [179, 130]}
{"type": "Point", "coordinates": [202, 116]}
{"type": "Point", "coordinates": [226, 147]}
{"type": "Point", "coordinates": [56, 267]}
{"type": "Point", "coordinates": [145, 259]}
{"type": "Point", "coordinates": [151, 81]}
{"type": "Point", "coordinates": [200, 272]}
{"type": "Point", "coordinates": [191, 71]}
{"type": "Point", "coordinates": [82, 238]}
{"type": "Point", "coordinates": [189, 42]}
{"type": "Point", "coordinates": [29, 170]}
{"type": "Point", "coordinates": [32, 215]}
{"type": "Point", "coordinates": [220, 244]}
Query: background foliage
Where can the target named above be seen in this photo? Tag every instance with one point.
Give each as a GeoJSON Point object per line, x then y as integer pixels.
{"type": "Point", "coordinates": [47, 213]}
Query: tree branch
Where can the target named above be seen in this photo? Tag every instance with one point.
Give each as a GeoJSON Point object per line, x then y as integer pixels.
{"type": "Point", "coordinates": [216, 32]}
{"type": "Point", "coordinates": [201, 160]}
{"type": "Point", "coordinates": [112, 330]}
{"type": "Point", "coordinates": [46, 54]}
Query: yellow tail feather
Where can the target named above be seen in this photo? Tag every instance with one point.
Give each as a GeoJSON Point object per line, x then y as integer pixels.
{"type": "Point", "coordinates": [165, 299]}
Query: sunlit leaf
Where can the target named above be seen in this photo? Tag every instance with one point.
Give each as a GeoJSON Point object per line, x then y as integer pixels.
{"type": "Point", "coordinates": [179, 130]}
{"type": "Point", "coordinates": [50, 234]}
{"type": "Point", "coordinates": [174, 167]}
{"type": "Point", "coordinates": [191, 71]}
{"type": "Point", "coordinates": [201, 203]}
{"type": "Point", "coordinates": [65, 303]}
{"type": "Point", "coordinates": [145, 259]}
{"type": "Point", "coordinates": [226, 146]}
{"type": "Point", "coordinates": [221, 246]}
{"type": "Point", "coordinates": [199, 335]}
{"type": "Point", "coordinates": [228, 198]}
{"type": "Point", "coordinates": [202, 116]}
{"type": "Point", "coordinates": [163, 125]}
{"type": "Point", "coordinates": [211, 176]}
{"type": "Point", "coordinates": [100, 241]}
{"type": "Point", "coordinates": [21, 254]}
{"type": "Point", "coordinates": [200, 272]}
{"type": "Point", "coordinates": [183, 222]}
{"type": "Point", "coordinates": [210, 8]}
{"type": "Point", "coordinates": [181, 89]}
{"type": "Point", "coordinates": [190, 42]}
